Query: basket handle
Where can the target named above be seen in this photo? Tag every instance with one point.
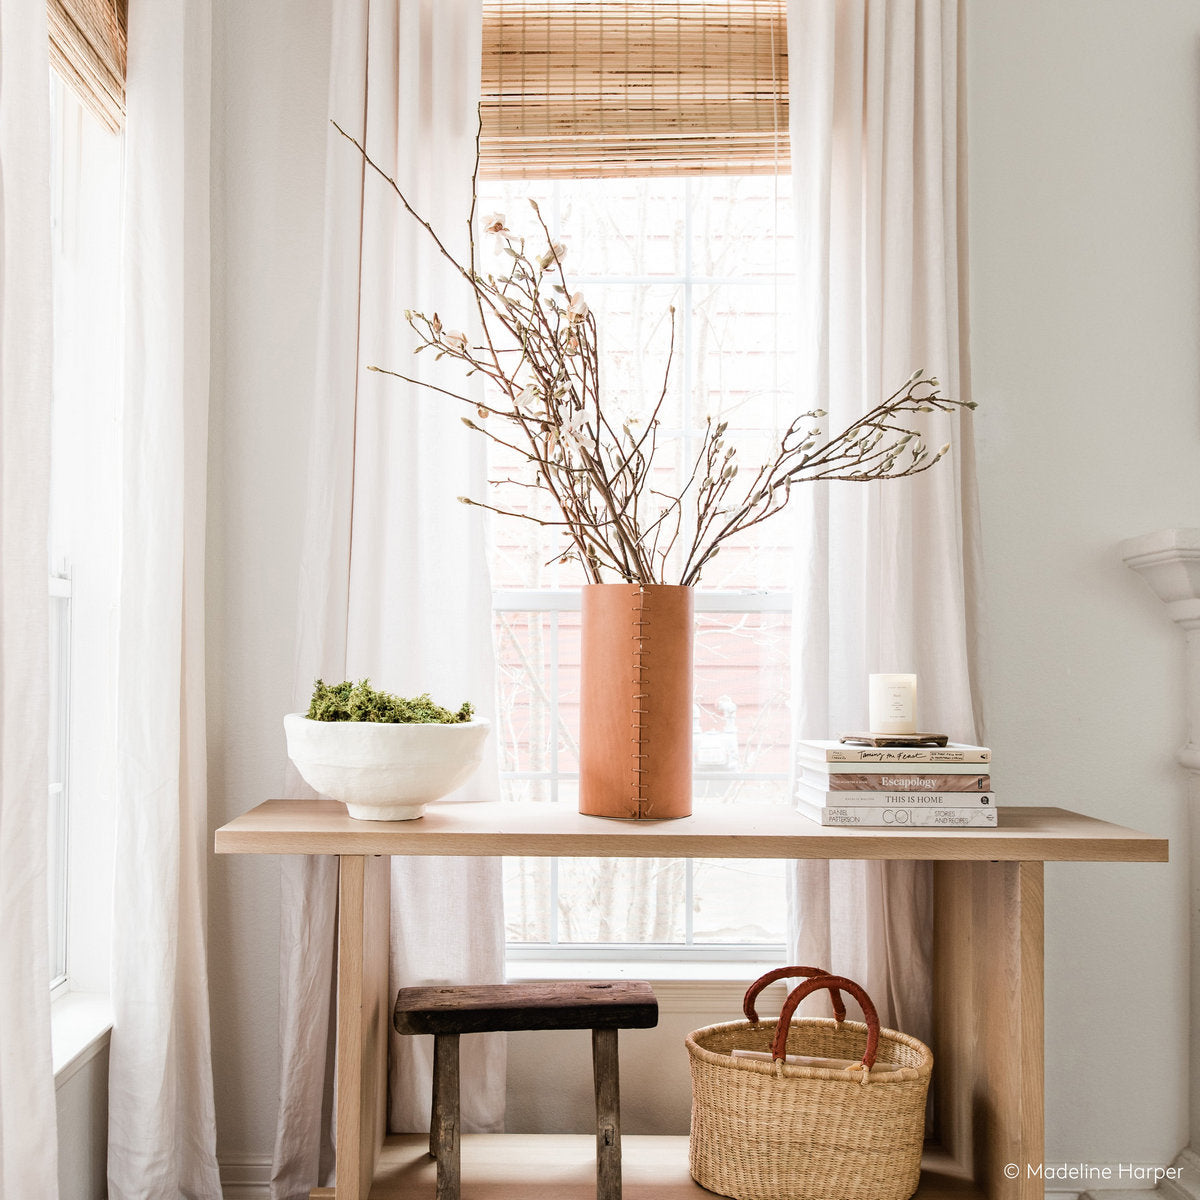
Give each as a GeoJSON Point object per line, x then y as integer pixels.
{"type": "Point", "coordinates": [833, 983]}
{"type": "Point", "coordinates": [839, 1008]}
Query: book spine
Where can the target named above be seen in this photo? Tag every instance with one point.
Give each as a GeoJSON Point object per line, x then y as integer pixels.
{"type": "Point", "coordinates": [892, 781]}
{"type": "Point", "coordinates": [822, 798]}
{"type": "Point", "coordinates": [900, 818]}
{"type": "Point", "coordinates": [898, 754]}
{"type": "Point", "coordinates": [819, 766]}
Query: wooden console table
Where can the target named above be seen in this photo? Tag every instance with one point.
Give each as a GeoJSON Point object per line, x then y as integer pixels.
{"type": "Point", "coordinates": [988, 978]}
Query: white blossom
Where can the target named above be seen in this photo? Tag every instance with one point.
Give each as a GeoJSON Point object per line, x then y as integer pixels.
{"type": "Point", "coordinates": [557, 252]}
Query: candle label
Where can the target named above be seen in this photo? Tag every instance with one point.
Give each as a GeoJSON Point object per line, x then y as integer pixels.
{"type": "Point", "coordinates": [893, 703]}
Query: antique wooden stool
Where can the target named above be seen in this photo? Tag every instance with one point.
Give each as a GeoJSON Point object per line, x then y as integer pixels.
{"type": "Point", "coordinates": [447, 1012]}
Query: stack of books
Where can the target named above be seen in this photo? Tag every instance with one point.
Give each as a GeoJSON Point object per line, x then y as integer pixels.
{"type": "Point", "coordinates": [895, 787]}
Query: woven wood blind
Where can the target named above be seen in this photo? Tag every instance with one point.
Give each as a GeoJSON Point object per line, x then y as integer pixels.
{"type": "Point", "coordinates": [647, 87]}
{"type": "Point", "coordinates": [87, 48]}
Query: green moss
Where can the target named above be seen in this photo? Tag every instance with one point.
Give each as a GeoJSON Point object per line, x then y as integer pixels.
{"type": "Point", "coordinates": [361, 702]}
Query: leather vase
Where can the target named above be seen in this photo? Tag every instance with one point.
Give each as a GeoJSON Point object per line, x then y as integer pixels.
{"type": "Point", "coordinates": [635, 732]}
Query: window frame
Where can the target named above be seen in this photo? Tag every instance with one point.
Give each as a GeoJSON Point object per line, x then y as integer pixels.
{"type": "Point", "coordinates": [544, 958]}
{"type": "Point", "coordinates": [87, 179]}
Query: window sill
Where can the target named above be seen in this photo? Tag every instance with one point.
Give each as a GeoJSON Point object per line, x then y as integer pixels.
{"type": "Point", "coordinates": [80, 1024]}
{"type": "Point", "coordinates": [705, 988]}
{"type": "Point", "coordinates": [651, 969]}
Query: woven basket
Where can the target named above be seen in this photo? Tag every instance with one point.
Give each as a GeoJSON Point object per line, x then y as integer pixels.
{"type": "Point", "coordinates": [771, 1130]}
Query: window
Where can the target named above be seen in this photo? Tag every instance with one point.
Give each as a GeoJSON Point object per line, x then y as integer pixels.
{"type": "Point", "coordinates": [718, 248]}
{"type": "Point", "coordinates": [654, 138]}
{"type": "Point", "coordinates": [83, 557]}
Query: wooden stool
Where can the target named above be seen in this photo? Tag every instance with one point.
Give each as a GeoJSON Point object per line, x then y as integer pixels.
{"type": "Point", "coordinates": [447, 1012]}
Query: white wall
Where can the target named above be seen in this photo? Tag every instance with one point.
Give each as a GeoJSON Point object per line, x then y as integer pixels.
{"type": "Point", "coordinates": [81, 1105]}
{"type": "Point", "coordinates": [1085, 311]}
{"type": "Point", "coordinates": [1085, 304]}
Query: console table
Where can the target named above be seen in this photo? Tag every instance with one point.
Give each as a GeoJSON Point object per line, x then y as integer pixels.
{"type": "Point", "coordinates": [988, 978]}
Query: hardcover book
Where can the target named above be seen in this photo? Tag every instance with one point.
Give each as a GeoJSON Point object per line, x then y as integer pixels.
{"type": "Point", "coordinates": [900, 817]}
{"type": "Point", "coordinates": [808, 763]}
{"type": "Point", "coordinates": [824, 798]}
{"type": "Point", "coordinates": [827, 750]}
{"type": "Point", "coordinates": [890, 779]}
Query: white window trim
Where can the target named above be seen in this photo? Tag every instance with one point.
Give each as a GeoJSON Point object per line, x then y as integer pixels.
{"type": "Point", "coordinates": [60, 797]}
{"type": "Point", "coordinates": [718, 971]}
{"type": "Point", "coordinates": [80, 1028]}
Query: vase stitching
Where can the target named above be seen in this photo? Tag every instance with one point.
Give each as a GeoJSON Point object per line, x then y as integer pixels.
{"type": "Point", "coordinates": [640, 621]}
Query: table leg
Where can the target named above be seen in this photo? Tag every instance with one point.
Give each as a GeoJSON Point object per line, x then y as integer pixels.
{"type": "Point", "coordinates": [363, 1020]}
{"type": "Point", "coordinates": [988, 1041]}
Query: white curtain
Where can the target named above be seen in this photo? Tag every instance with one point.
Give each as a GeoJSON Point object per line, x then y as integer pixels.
{"type": "Point", "coordinates": [394, 583]}
{"type": "Point", "coordinates": [161, 1121]}
{"type": "Point", "coordinates": [28, 1150]}
{"type": "Point", "coordinates": [887, 576]}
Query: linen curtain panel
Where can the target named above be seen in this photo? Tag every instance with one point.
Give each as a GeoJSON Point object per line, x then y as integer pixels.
{"type": "Point", "coordinates": [162, 1130]}
{"type": "Point", "coordinates": [28, 1148]}
{"type": "Point", "coordinates": [394, 582]}
{"type": "Point", "coordinates": [887, 573]}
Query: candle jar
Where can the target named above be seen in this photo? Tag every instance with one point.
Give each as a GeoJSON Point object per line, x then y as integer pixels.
{"type": "Point", "coordinates": [893, 703]}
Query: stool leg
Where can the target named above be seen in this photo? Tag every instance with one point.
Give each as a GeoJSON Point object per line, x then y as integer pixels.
{"type": "Point", "coordinates": [605, 1071]}
{"type": "Point", "coordinates": [444, 1125]}
{"type": "Point", "coordinates": [434, 1106]}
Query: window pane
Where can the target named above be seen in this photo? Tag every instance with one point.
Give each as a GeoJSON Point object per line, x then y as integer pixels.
{"type": "Point", "coordinates": [739, 901]}
{"type": "Point", "coordinates": [527, 897]}
{"type": "Point", "coordinates": [741, 693]}
{"type": "Point", "coordinates": [622, 900]}
{"type": "Point", "coordinates": [720, 251]}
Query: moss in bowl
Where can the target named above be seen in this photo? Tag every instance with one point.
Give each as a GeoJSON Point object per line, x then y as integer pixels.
{"type": "Point", "coordinates": [384, 756]}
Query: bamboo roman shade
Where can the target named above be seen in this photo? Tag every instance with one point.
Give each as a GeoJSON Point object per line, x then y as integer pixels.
{"type": "Point", "coordinates": [646, 87]}
{"type": "Point", "coordinates": [87, 48]}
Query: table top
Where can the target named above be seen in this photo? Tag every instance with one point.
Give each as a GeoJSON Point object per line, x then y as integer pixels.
{"type": "Point", "coordinates": [716, 830]}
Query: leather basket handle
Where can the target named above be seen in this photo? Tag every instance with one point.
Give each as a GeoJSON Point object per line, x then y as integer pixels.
{"type": "Point", "coordinates": [833, 983]}
{"type": "Point", "coordinates": [839, 1007]}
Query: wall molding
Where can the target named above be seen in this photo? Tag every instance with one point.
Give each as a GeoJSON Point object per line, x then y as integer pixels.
{"type": "Point", "coordinates": [245, 1176]}
{"type": "Point", "coordinates": [1169, 562]}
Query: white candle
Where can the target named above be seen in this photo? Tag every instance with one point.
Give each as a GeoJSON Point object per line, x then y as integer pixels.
{"type": "Point", "coordinates": [893, 703]}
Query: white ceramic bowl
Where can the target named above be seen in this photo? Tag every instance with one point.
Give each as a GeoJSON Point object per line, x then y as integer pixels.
{"type": "Point", "coordinates": [384, 772]}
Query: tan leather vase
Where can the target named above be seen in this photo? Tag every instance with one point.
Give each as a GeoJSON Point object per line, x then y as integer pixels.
{"type": "Point", "coordinates": [635, 721]}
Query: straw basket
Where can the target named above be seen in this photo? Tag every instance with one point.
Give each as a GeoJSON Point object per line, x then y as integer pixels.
{"type": "Point", "coordinates": [771, 1130]}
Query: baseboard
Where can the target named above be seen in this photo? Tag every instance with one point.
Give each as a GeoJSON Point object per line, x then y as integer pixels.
{"type": "Point", "coordinates": [246, 1178]}
{"type": "Point", "coordinates": [1187, 1186]}
{"type": "Point", "coordinates": [1149, 1194]}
